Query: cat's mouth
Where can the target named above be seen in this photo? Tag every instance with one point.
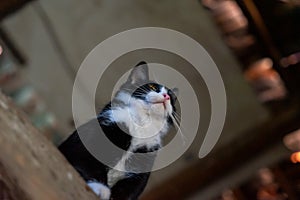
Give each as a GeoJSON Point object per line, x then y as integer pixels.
{"type": "Point", "coordinates": [164, 99]}
{"type": "Point", "coordinates": [163, 102]}
{"type": "Point", "coordinates": [158, 102]}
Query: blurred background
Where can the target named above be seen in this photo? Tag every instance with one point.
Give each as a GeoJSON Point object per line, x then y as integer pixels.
{"type": "Point", "coordinates": [255, 44]}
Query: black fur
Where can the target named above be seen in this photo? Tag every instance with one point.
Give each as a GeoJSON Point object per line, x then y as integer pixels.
{"type": "Point", "coordinates": [91, 169]}
{"type": "Point", "coordinates": [131, 186]}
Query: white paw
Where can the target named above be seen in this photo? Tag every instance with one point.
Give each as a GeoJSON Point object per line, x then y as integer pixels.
{"type": "Point", "coordinates": [101, 190]}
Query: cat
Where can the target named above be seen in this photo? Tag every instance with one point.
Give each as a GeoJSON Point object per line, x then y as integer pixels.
{"type": "Point", "coordinates": [137, 118]}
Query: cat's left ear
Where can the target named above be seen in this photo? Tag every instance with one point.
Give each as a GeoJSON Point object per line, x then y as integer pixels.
{"type": "Point", "coordinates": [139, 74]}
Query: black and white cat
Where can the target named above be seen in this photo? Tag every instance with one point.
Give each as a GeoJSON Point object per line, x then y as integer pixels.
{"type": "Point", "coordinates": [136, 119]}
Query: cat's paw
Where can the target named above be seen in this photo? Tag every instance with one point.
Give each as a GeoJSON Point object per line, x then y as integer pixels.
{"type": "Point", "coordinates": [100, 189]}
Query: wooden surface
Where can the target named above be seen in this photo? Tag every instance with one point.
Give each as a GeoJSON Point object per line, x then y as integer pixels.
{"type": "Point", "coordinates": [30, 166]}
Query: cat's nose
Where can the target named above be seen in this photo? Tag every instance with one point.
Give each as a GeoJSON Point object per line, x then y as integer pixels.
{"type": "Point", "coordinates": [166, 96]}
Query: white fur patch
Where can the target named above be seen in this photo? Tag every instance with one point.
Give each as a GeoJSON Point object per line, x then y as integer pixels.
{"type": "Point", "coordinates": [124, 97]}
{"type": "Point", "coordinates": [146, 122]}
{"type": "Point", "coordinates": [144, 119]}
{"type": "Point", "coordinates": [101, 190]}
{"type": "Point", "coordinates": [117, 173]}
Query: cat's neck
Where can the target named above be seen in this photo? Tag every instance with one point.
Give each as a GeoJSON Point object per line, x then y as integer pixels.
{"type": "Point", "coordinates": [146, 127]}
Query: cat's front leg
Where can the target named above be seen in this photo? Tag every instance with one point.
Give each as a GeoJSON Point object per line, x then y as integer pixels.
{"type": "Point", "coordinates": [100, 189]}
{"type": "Point", "coordinates": [130, 188]}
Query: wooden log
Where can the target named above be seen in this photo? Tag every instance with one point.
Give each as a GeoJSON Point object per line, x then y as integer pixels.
{"type": "Point", "coordinates": [31, 168]}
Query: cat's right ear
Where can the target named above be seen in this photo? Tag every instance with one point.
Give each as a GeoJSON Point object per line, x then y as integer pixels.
{"type": "Point", "coordinates": [139, 74]}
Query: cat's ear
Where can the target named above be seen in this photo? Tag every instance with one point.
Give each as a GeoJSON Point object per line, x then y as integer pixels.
{"type": "Point", "coordinates": [139, 74]}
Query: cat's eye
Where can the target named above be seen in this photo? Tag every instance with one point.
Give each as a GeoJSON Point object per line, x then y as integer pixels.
{"type": "Point", "coordinates": [153, 87]}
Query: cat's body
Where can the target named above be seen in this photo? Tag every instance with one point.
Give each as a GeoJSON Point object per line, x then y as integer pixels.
{"type": "Point", "coordinates": [135, 120]}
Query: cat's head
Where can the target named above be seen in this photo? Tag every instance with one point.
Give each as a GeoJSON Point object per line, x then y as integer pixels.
{"type": "Point", "coordinates": [146, 97]}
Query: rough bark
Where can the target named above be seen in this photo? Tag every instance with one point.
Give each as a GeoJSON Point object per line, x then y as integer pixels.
{"type": "Point", "coordinates": [31, 168]}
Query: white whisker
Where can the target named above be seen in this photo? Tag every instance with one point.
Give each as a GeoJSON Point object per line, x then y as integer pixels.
{"type": "Point", "coordinates": [179, 129]}
{"type": "Point", "coordinates": [177, 115]}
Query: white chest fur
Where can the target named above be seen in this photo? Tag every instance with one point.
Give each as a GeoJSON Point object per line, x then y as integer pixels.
{"type": "Point", "coordinates": [146, 124]}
